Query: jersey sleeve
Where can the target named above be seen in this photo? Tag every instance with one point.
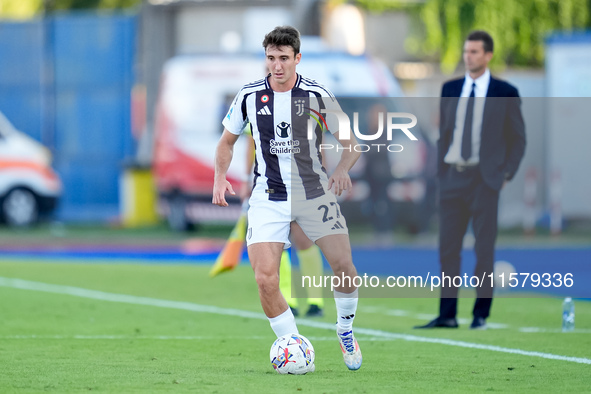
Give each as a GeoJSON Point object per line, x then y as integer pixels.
{"type": "Point", "coordinates": [332, 121]}
{"type": "Point", "coordinates": [235, 120]}
{"type": "Point", "coordinates": [329, 103]}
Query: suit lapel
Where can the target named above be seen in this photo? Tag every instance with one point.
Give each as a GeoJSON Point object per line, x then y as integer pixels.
{"type": "Point", "coordinates": [490, 107]}
{"type": "Point", "coordinates": [456, 88]}
{"type": "Point", "coordinates": [492, 88]}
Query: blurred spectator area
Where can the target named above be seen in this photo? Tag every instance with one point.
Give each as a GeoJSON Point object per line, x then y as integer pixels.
{"type": "Point", "coordinates": [69, 80]}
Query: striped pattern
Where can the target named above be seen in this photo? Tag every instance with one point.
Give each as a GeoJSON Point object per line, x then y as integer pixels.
{"type": "Point", "coordinates": [286, 161]}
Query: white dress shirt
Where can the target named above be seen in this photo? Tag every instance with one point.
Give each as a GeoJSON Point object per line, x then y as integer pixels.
{"type": "Point", "coordinates": [454, 154]}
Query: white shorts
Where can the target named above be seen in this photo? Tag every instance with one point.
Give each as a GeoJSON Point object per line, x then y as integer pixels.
{"type": "Point", "coordinates": [269, 221]}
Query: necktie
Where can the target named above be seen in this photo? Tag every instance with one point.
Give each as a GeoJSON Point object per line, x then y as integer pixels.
{"type": "Point", "coordinates": [467, 136]}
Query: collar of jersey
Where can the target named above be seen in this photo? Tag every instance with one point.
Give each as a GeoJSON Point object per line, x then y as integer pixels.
{"type": "Point", "coordinates": [296, 85]}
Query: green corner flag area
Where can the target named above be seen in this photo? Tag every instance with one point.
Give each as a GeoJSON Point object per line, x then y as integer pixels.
{"type": "Point", "coordinates": [135, 327]}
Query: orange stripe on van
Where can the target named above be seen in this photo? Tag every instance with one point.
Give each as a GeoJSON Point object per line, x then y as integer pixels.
{"type": "Point", "coordinates": [28, 165]}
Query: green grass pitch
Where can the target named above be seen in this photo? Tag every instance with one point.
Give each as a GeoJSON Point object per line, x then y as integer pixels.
{"type": "Point", "coordinates": [128, 327]}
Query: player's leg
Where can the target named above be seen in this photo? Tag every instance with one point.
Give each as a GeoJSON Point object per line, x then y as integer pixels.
{"type": "Point", "coordinates": [266, 237]}
{"type": "Point", "coordinates": [285, 282]}
{"type": "Point", "coordinates": [310, 266]}
{"type": "Point", "coordinates": [264, 258]}
{"type": "Point", "coordinates": [322, 221]}
{"type": "Point", "coordinates": [337, 250]}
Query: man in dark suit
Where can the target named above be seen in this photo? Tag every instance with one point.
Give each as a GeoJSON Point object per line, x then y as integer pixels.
{"type": "Point", "coordinates": [482, 141]}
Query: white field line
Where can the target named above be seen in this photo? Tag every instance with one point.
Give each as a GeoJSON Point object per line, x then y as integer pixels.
{"type": "Point", "coordinates": [189, 306]}
{"type": "Point", "coordinates": [421, 316]}
{"type": "Point", "coordinates": [425, 316]}
{"type": "Point", "coordinates": [181, 337]}
{"type": "Point", "coordinates": [539, 329]}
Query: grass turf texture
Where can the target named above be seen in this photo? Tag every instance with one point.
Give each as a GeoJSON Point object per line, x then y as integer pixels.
{"type": "Point", "coordinates": [62, 343]}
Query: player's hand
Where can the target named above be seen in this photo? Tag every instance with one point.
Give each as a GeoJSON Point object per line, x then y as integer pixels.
{"type": "Point", "coordinates": [219, 192]}
{"type": "Point", "coordinates": [341, 181]}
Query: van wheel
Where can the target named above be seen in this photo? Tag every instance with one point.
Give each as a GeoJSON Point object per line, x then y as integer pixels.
{"type": "Point", "coordinates": [20, 208]}
{"type": "Point", "coordinates": [177, 217]}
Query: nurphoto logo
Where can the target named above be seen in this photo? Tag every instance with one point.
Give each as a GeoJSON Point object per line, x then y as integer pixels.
{"type": "Point", "coordinates": [344, 126]}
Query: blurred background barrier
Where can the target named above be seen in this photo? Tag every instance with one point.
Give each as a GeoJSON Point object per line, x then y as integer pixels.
{"type": "Point", "coordinates": [85, 78]}
{"type": "Point", "coordinates": [66, 81]}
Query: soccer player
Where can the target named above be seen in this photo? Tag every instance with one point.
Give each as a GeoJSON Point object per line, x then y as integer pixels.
{"type": "Point", "coordinates": [290, 183]}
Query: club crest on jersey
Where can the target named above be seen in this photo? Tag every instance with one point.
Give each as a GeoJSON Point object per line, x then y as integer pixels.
{"type": "Point", "coordinates": [283, 130]}
{"type": "Point", "coordinates": [299, 107]}
{"type": "Point", "coordinates": [264, 98]}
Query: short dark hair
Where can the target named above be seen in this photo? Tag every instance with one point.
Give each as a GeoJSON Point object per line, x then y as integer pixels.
{"type": "Point", "coordinates": [481, 35]}
{"type": "Point", "coordinates": [283, 36]}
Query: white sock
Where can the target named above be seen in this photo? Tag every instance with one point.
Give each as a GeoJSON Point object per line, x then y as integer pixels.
{"type": "Point", "coordinates": [284, 324]}
{"type": "Point", "coordinates": [346, 309]}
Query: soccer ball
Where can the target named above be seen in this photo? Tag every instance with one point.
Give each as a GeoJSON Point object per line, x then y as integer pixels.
{"type": "Point", "coordinates": [292, 354]}
{"type": "Point", "coordinates": [506, 269]}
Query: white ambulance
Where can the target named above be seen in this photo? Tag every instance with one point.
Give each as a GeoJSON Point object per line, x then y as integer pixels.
{"type": "Point", "coordinates": [29, 187]}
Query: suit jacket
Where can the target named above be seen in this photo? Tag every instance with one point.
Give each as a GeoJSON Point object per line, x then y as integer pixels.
{"type": "Point", "coordinates": [502, 142]}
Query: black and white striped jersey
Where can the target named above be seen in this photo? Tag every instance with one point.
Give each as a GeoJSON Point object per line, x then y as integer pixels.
{"type": "Point", "coordinates": [287, 161]}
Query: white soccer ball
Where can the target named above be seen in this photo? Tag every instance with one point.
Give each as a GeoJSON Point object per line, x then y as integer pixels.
{"type": "Point", "coordinates": [292, 354]}
{"type": "Point", "coordinates": [502, 272]}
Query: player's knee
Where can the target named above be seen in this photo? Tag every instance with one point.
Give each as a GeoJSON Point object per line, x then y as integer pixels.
{"type": "Point", "coordinates": [267, 281]}
{"type": "Point", "coordinates": [343, 265]}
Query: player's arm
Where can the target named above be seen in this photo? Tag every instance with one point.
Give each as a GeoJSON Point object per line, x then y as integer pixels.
{"type": "Point", "coordinates": [340, 178]}
{"type": "Point", "coordinates": [246, 187]}
{"type": "Point", "coordinates": [223, 158]}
